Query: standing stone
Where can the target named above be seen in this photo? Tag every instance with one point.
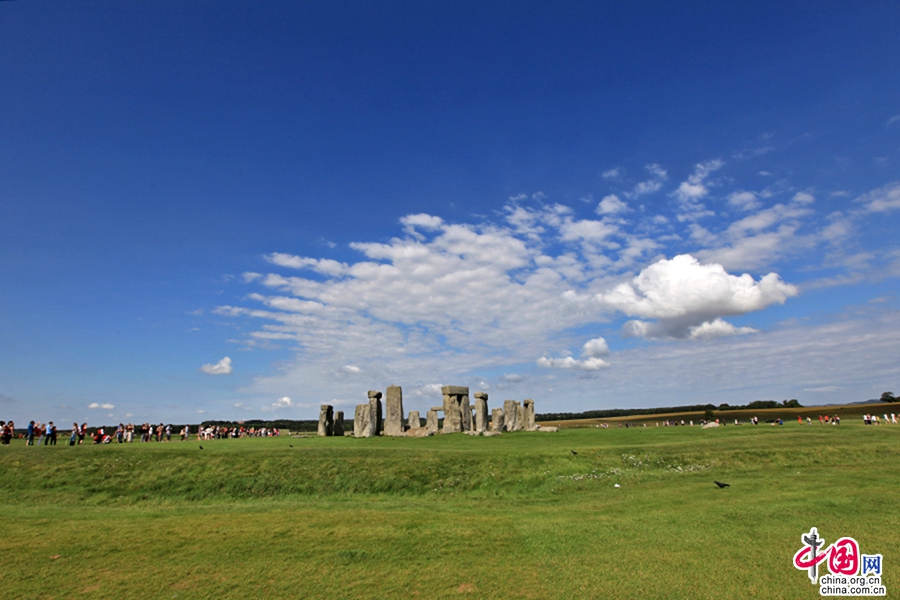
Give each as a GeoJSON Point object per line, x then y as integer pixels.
{"type": "Point", "coordinates": [510, 415]}
{"type": "Point", "coordinates": [497, 419]}
{"type": "Point", "coordinates": [393, 414]}
{"type": "Point", "coordinates": [338, 428]}
{"type": "Point", "coordinates": [431, 421]}
{"type": "Point", "coordinates": [465, 412]}
{"type": "Point", "coordinates": [362, 421]}
{"type": "Point", "coordinates": [453, 414]}
{"type": "Point", "coordinates": [529, 424]}
{"type": "Point", "coordinates": [520, 417]}
{"type": "Point", "coordinates": [375, 403]}
{"type": "Point", "coordinates": [414, 421]}
{"type": "Point", "coordinates": [326, 420]}
{"type": "Point", "coordinates": [481, 406]}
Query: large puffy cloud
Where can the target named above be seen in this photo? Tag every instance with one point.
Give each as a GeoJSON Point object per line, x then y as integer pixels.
{"type": "Point", "coordinates": [688, 298]}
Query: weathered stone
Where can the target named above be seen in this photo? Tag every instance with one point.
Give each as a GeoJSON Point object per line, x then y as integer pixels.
{"type": "Point", "coordinates": [326, 420]}
{"type": "Point", "coordinates": [431, 421]}
{"type": "Point", "coordinates": [393, 413]}
{"type": "Point", "coordinates": [419, 432]}
{"type": "Point", "coordinates": [338, 428]}
{"type": "Point", "coordinates": [457, 414]}
{"type": "Point", "coordinates": [465, 413]}
{"type": "Point", "coordinates": [437, 408]}
{"type": "Point", "coordinates": [473, 432]}
{"type": "Point", "coordinates": [414, 421]}
{"type": "Point", "coordinates": [481, 406]}
{"type": "Point", "coordinates": [547, 428]}
{"type": "Point", "coordinates": [520, 417]}
{"type": "Point", "coordinates": [375, 403]}
{"type": "Point", "coordinates": [455, 390]}
{"type": "Point", "coordinates": [497, 419]}
{"type": "Point", "coordinates": [510, 415]}
{"type": "Point", "coordinates": [529, 424]}
{"type": "Point", "coordinates": [452, 416]}
{"type": "Point", "coordinates": [362, 421]}
{"type": "Point", "coordinates": [491, 433]}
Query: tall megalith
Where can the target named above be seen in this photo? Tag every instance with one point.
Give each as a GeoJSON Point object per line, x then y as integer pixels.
{"type": "Point", "coordinates": [481, 411]}
{"type": "Point", "coordinates": [510, 415]}
{"type": "Point", "coordinates": [362, 421]}
{"type": "Point", "coordinates": [414, 421]}
{"type": "Point", "coordinates": [529, 424]}
{"type": "Point", "coordinates": [375, 403]}
{"type": "Point", "coordinates": [453, 408]}
{"type": "Point", "coordinates": [326, 420]}
{"type": "Point", "coordinates": [393, 413]}
{"type": "Point", "coordinates": [497, 419]}
{"type": "Point", "coordinates": [338, 428]}
{"type": "Point", "coordinates": [432, 420]}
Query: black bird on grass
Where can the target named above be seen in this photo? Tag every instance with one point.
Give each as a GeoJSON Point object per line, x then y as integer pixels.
{"type": "Point", "coordinates": [722, 485]}
{"type": "Point", "coordinates": [201, 447]}
{"type": "Point", "coordinates": [573, 453]}
{"type": "Point", "coordinates": [291, 445]}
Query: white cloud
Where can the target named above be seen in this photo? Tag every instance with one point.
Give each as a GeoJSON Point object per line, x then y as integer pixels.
{"type": "Point", "coordinates": [882, 199]}
{"type": "Point", "coordinates": [250, 277]}
{"type": "Point", "coordinates": [284, 402]}
{"type": "Point", "coordinates": [744, 200]}
{"type": "Point", "coordinates": [105, 406]}
{"type": "Point", "coordinates": [223, 367]}
{"type": "Point", "coordinates": [324, 266]}
{"type": "Point", "coordinates": [658, 177]}
{"type": "Point", "coordinates": [595, 348]}
{"type": "Point", "coordinates": [894, 119]}
{"type": "Point", "coordinates": [683, 294]}
{"type": "Point", "coordinates": [422, 221]}
{"type": "Point", "coordinates": [611, 205]}
{"type": "Point", "coordinates": [512, 377]}
{"type": "Point", "coordinates": [591, 360]}
{"type": "Point", "coordinates": [613, 173]}
{"type": "Point", "coordinates": [694, 189]}
{"type": "Point", "coordinates": [462, 303]}
{"type": "Point", "coordinates": [587, 364]}
{"type": "Point", "coordinates": [717, 328]}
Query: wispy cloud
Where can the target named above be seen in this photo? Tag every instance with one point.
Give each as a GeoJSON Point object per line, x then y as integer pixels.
{"type": "Point", "coordinates": [499, 302]}
{"type": "Point", "coordinates": [104, 406]}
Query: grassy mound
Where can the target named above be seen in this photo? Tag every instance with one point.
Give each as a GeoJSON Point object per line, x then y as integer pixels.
{"type": "Point", "coordinates": [522, 515]}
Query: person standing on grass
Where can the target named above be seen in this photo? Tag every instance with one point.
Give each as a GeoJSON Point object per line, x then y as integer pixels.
{"type": "Point", "coordinates": [30, 434]}
{"type": "Point", "coordinates": [74, 435]}
{"type": "Point", "coordinates": [82, 431]}
{"type": "Point", "coordinates": [51, 436]}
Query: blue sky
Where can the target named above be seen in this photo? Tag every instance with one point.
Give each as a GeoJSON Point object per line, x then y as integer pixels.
{"type": "Point", "coordinates": [243, 210]}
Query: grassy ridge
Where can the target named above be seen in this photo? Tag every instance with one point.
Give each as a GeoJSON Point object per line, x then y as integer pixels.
{"type": "Point", "coordinates": [509, 517]}
{"type": "Point", "coordinates": [512, 465]}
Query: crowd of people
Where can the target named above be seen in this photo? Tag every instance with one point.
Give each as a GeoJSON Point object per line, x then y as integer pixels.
{"type": "Point", "coordinates": [40, 434]}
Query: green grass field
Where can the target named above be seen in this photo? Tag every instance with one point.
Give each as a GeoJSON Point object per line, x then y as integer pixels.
{"type": "Point", "coordinates": [516, 516]}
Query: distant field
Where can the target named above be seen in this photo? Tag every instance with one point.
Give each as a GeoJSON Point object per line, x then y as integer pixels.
{"type": "Point", "coordinates": [516, 516]}
{"type": "Point", "coordinates": [846, 411]}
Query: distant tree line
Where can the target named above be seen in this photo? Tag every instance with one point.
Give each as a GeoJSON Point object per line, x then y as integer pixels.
{"type": "Point", "coordinates": [627, 412]}
{"type": "Point", "coordinates": [889, 397]}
